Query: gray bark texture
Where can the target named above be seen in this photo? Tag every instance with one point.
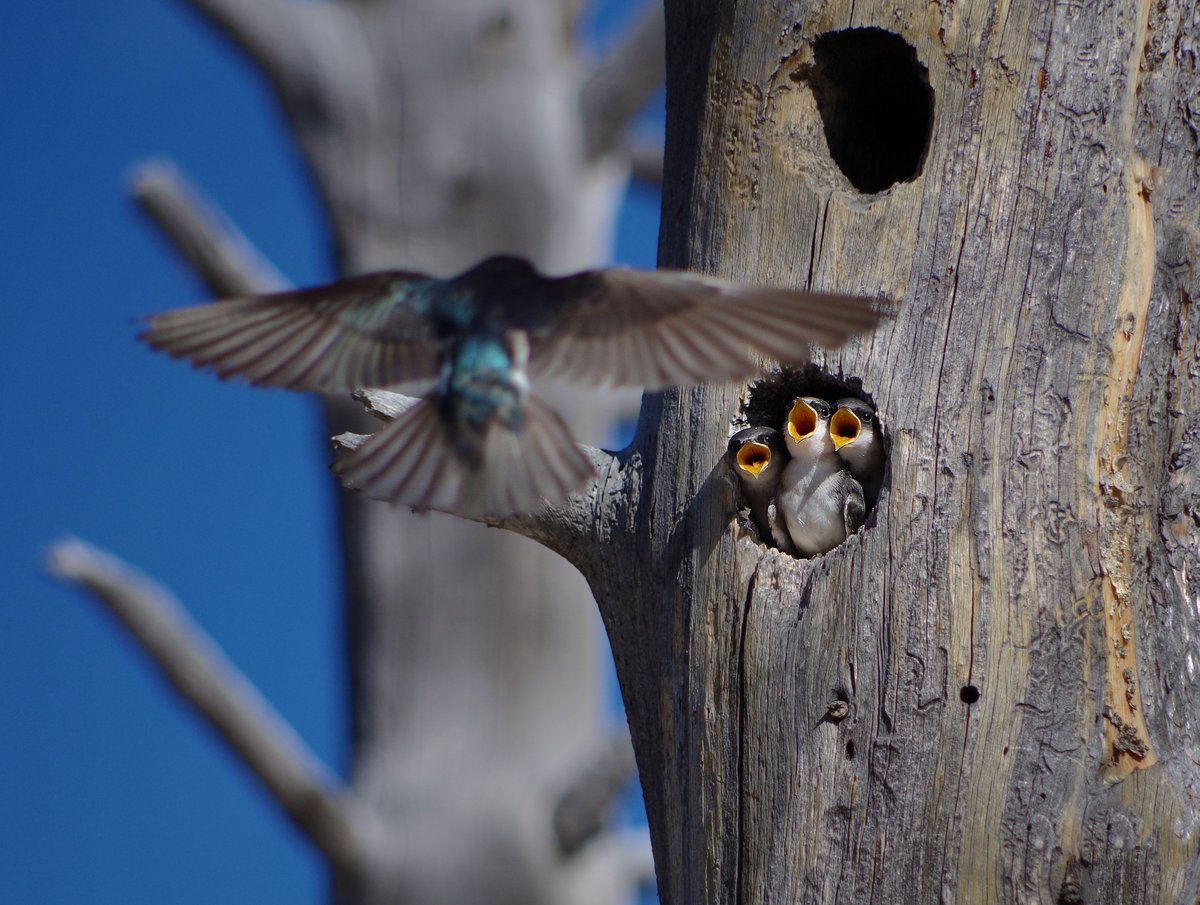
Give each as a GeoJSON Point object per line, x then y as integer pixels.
{"type": "Point", "coordinates": [1013, 636]}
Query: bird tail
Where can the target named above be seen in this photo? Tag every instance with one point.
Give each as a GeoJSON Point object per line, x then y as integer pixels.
{"type": "Point", "coordinates": [417, 461]}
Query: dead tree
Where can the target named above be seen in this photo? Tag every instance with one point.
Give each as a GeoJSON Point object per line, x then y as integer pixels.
{"type": "Point", "coordinates": [988, 694]}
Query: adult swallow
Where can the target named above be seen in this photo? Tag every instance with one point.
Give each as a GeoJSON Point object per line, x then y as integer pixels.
{"type": "Point", "coordinates": [479, 442]}
{"type": "Point", "coordinates": [758, 456]}
{"type": "Point", "coordinates": [859, 443]}
{"type": "Point", "coordinates": [822, 502]}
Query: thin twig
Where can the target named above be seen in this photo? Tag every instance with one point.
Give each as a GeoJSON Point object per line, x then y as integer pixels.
{"type": "Point", "coordinates": [216, 249]}
{"type": "Point", "coordinates": [190, 660]}
{"type": "Point", "coordinates": [623, 81]}
{"type": "Point", "coordinates": [585, 806]}
{"type": "Point", "coordinates": [384, 404]}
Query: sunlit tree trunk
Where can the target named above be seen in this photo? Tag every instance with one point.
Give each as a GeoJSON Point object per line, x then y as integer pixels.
{"type": "Point", "coordinates": [989, 694]}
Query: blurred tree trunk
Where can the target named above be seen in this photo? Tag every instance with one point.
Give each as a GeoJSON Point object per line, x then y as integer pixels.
{"type": "Point", "coordinates": [439, 133]}
{"type": "Point", "coordinates": [1015, 632]}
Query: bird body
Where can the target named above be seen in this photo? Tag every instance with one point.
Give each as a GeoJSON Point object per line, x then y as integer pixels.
{"type": "Point", "coordinates": [855, 432]}
{"type": "Point", "coordinates": [758, 456]}
{"type": "Point", "coordinates": [480, 442]}
{"type": "Point", "coordinates": [822, 503]}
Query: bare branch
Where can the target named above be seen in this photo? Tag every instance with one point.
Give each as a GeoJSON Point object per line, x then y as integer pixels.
{"type": "Point", "coordinates": [274, 34]}
{"type": "Point", "coordinates": [384, 404]}
{"type": "Point", "coordinates": [217, 250]}
{"type": "Point", "coordinates": [197, 669]}
{"type": "Point", "coordinates": [622, 82]}
{"type": "Point", "coordinates": [646, 161]}
{"type": "Point", "coordinates": [584, 807]}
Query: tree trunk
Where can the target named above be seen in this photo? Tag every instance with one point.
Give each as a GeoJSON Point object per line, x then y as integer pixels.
{"type": "Point", "coordinates": [1014, 632]}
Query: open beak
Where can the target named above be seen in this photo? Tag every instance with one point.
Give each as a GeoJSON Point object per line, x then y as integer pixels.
{"type": "Point", "coordinates": [754, 457]}
{"type": "Point", "coordinates": [802, 420]}
{"type": "Point", "coordinates": [844, 427]}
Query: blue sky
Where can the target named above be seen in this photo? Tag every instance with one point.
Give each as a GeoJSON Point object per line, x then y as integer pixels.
{"type": "Point", "coordinates": [113, 791]}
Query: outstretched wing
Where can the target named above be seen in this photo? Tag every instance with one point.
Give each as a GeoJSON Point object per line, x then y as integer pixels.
{"type": "Point", "coordinates": [655, 328]}
{"type": "Point", "coordinates": [372, 330]}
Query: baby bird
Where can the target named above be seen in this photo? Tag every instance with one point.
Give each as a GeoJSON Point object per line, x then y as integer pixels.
{"type": "Point", "coordinates": [859, 443]}
{"type": "Point", "coordinates": [479, 443]}
{"type": "Point", "coordinates": [822, 503]}
{"type": "Point", "coordinates": [758, 456]}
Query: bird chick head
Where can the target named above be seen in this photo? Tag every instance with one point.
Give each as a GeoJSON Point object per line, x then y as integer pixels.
{"type": "Point", "coordinates": [808, 420]}
{"type": "Point", "coordinates": [757, 454]}
{"type": "Point", "coordinates": [851, 422]}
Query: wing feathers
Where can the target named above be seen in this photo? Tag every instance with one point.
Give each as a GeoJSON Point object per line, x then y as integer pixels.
{"type": "Point", "coordinates": [623, 327]}
{"type": "Point", "coordinates": [366, 331]}
{"type": "Point", "coordinates": [415, 461]}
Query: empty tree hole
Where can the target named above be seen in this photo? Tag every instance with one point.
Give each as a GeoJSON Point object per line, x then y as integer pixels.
{"type": "Point", "coordinates": [875, 103]}
{"type": "Point", "coordinates": [968, 694]}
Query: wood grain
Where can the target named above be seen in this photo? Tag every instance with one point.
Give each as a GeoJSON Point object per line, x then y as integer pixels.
{"type": "Point", "coordinates": [1037, 532]}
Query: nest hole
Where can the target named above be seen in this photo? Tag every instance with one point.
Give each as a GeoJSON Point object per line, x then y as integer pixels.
{"type": "Point", "coordinates": [770, 400]}
{"type": "Point", "coordinates": [876, 105]}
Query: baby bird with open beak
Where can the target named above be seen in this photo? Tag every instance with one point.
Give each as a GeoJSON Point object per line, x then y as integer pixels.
{"type": "Point", "coordinates": [822, 502]}
{"type": "Point", "coordinates": [758, 456]}
{"type": "Point", "coordinates": [858, 441]}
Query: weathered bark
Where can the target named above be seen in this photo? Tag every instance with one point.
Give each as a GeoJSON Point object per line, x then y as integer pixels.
{"type": "Point", "coordinates": [1015, 630]}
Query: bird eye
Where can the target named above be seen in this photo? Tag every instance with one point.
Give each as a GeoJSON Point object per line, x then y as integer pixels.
{"type": "Point", "coordinates": [820, 407]}
{"type": "Point", "coordinates": [865, 416]}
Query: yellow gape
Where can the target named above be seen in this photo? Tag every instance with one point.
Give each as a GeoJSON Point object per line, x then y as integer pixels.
{"type": "Point", "coordinates": [844, 427]}
{"type": "Point", "coordinates": [754, 457]}
{"type": "Point", "coordinates": [802, 420]}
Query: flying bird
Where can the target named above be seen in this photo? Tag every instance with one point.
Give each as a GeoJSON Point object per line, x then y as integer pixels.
{"type": "Point", "coordinates": [758, 456]}
{"type": "Point", "coordinates": [822, 502]}
{"type": "Point", "coordinates": [478, 442]}
{"type": "Point", "coordinates": [859, 443]}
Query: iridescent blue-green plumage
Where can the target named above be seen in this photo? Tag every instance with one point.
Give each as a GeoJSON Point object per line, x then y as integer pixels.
{"type": "Point", "coordinates": [481, 384]}
{"type": "Point", "coordinates": [478, 442]}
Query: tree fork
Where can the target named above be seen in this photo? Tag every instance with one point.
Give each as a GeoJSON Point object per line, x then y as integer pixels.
{"type": "Point", "coordinates": [1012, 637]}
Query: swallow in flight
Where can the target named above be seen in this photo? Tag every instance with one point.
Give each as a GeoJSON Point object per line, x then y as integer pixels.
{"type": "Point", "coordinates": [479, 442]}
